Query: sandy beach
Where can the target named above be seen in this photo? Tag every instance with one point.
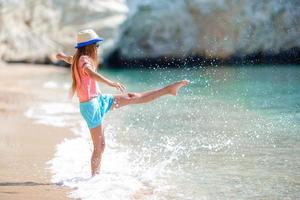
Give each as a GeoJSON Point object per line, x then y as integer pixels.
{"type": "Point", "coordinates": [26, 146]}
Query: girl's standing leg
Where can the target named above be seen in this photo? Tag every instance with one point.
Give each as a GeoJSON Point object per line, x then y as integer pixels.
{"type": "Point", "coordinates": [97, 135]}
{"type": "Point", "coordinates": [137, 98]}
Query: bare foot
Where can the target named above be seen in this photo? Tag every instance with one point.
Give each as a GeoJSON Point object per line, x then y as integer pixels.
{"type": "Point", "coordinates": [177, 85]}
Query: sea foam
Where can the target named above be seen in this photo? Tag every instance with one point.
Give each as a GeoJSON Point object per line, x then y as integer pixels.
{"type": "Point", "coordinates": [118, 178]}
{"type": "Point", "coordinates": [70, 166]}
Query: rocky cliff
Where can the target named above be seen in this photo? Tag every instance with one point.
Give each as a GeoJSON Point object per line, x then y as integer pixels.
{"type": "Point", "coordinates": [213, 29]}
{"type": "Point", "coordinates": [33, 30]}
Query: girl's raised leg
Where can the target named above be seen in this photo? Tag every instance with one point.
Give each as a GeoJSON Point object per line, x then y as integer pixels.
{"type": "Point", "coordinates": [138, 98]}
{"type": "Point", "coordinates": [97, 135]}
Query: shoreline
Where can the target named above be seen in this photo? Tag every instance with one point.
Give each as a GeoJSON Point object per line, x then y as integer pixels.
{"type": "Point", "coordinates": [291, 56]}
{"type": "Point", "coordinates": [116, 60]}
{"type": "Point", "coordinates": [26, 146]}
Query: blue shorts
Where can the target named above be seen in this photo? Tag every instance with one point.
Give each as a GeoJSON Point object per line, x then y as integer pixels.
{"type": "Point", "coordinates": [93, 110]}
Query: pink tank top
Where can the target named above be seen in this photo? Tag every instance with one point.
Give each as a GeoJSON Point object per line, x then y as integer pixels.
{"type": "Point", "coordinates": [86, 88]}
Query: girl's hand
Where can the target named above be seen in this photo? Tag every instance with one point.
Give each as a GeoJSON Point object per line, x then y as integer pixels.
{"type": "Point", "coordinates": [60, 55]}
{"type": "Point", "coordinates": [64, 57]}
{"type": "Point", "coordinates": [118, 86]}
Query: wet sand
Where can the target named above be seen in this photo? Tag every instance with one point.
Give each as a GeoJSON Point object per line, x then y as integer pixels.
{"type": "Point", "coordinates": [26, 146]}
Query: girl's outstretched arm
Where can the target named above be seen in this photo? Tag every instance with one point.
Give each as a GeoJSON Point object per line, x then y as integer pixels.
{"type": "Point", "coordinates": [94, 75]}
{"type": "Point", "coordinates": [64, 57]}
{"type": "Point", "coordinates": [99, 78]}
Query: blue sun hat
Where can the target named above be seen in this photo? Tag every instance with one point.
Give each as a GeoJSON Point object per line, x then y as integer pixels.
{"type": "Point", "coordinates": [87, 37]}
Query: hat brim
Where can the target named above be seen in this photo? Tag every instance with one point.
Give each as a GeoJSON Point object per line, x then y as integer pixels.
{"type": "Point", "coordinates": [93, 41]}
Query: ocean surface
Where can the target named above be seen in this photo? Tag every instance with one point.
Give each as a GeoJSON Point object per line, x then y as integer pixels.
{"type": "Point", "coordinates": [233, 133]}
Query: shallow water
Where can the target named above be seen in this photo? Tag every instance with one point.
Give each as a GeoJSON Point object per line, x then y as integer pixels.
{"type": "Point", "coordinates": [234, 133]}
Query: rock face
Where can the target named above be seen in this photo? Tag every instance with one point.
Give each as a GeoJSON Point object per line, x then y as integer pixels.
{"type": "Point", "coordinates": [33, 30]}
{"type": "Point", "coordinates": [208, 28]}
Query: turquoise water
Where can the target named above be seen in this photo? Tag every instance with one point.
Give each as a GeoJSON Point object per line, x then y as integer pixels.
{"type": "Point", "coordinates": [233, 133]}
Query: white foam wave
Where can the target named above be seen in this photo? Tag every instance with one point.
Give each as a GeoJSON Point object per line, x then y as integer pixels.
{"type": "Point", "coordinates": [55, 114]}
{"type": "Point", "coordinates": [56, 85]}
{"type": "Point", "coordinates": [50, 85]}
{"type": "Point", "coordinates": [71, 163]}
{"type": "Point", "coordinates": [71, 167]}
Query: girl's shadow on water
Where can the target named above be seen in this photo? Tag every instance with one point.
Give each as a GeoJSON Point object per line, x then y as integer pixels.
{"type": "Point", "coordinates": [26, 183]}
{"type": "Point", "coordinates": [32, 183]}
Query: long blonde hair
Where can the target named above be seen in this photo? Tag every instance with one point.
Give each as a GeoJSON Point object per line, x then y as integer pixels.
{"type": "Point", "coordinates": [91, 52]}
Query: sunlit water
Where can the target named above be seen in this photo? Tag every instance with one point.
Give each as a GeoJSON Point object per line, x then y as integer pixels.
{"type": "Point", "coordinates": [233, 133]}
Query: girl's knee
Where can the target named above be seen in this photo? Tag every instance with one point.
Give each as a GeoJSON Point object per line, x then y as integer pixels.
{"type": "Point", "coordinates": [99, 149]}
{"type": "Point", "coordinates": [133, 97]}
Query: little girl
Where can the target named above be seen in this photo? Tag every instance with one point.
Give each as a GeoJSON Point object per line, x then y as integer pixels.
{"type": "Point", "coordinates": [93, 104]}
